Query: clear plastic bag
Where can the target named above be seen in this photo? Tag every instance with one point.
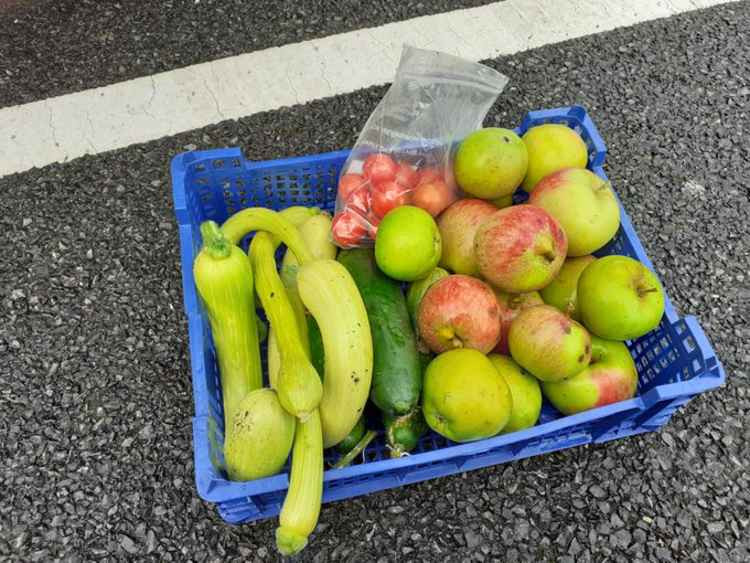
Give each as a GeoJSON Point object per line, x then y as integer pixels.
{"type": "Point", "coordinates": [404, 153]}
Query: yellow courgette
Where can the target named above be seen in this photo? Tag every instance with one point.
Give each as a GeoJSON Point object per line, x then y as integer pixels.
{"type": "Point", "coordinates": [299, 514]}
{"type": "Point", "coordinates": [262, 219]}
{"type": "Point", "coordinates": [330, 294]}
{"type": "Point", "coordinates": [315, 231]}
{"type": "Point", "coordinates": [298, 384]}
{"type": "Point", "coordinates": [224, 280]}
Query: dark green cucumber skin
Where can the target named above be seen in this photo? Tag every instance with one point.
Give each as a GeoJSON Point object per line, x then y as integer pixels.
{"type": "Point", "coordinates": [353, 438]}
{"type": "Point", "coordinates": [397, 373]}
{"type": "Point", "coordinates": [317, 357]}
{"type": "Point", "coordinates": [403, 432]}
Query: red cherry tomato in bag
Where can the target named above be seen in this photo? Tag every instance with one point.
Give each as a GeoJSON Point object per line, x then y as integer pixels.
{"type": "Point", "coordinates": [348, 229]}
{"type": "Point", "coordinates": [388, 195]}
{"type": "Point", "coordinates": [348, 183]}
{"type": "Point", "coordinates": [406, 175]}
{"type": "Point", "coordinates": [379, 167]}
{"type": "Point", "coordinates": [429, 175]}
{"type": "Point", "coordinates": [433, 197]}
{"type": "Point", "coordinates": [360, 200]}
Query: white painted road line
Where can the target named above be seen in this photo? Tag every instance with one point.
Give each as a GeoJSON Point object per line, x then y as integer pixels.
{"type": "Point", "coordinates": [92, 121]}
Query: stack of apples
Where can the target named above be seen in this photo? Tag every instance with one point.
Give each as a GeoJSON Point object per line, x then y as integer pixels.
{"type": "Point", "coordinates": [519, 307]}
{"type": "Point", "coordinates": [386, 183]}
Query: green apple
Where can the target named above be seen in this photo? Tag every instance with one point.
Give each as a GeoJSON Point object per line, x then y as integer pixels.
{"type": "Point", "coordinates": [619, 298]}
{"type": "Point", "coordinates": [548, 344]}
{"type": "Point", "coordinates": [583, 203]}
{"type": "Point", "coordinates": [525, 390]}
{"type": "Point", "coordinates": [503, 202]}
{"type": "Point", "coordinates": [408, 243]}
{"type": "Point", "coordinates": [464, 398]}
{"type": "Point", "coordinates": [552, 147]}
{"type": "Point", "coordinates": [609, 378]}
{"type": "Point", "coordinates": [562, 292]}
{"type": "Point", "coordinates": [490, 163]}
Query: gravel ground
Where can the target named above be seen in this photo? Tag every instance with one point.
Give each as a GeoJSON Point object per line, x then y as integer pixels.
{"type": "Point", "coordinates": [53, 47]}
{"type": "Point", "coordinates": [94, 387]}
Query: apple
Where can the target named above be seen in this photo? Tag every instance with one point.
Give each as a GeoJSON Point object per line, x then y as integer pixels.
{"type": "Point", "coordinates": [525, 390]}
{"type": "Point", "coordinates": [562, 292]}
{"type": "Point", "coordinates": [464, 398]}
{"type": "Point", "coordinates": [510, 305]}
{"type": "Point", "coordinates": [552, 147]}
{"type": "Point", "coordinates": [490, 163]}
{"type": "Point", "coordinates": [418, 288]}
{"type": "Point", "coordinates": [583, 203]}
{"type": "Point", "coordinates": [379, 167]}
{"type": "Point", "coordinates": [520, 248]}
{"type": "Point", "coordinates": [619, 298]}
{"type": "Point", "coordinates": [459, 312]}
{"type": "Point", "coordinates": [609, 378]}
{"type": "Point", "coordinates": [548, 344]}
{"type": "Point", "coordinates": [457, 225]}
{"type": "Point", "coordinates": [433, 196]}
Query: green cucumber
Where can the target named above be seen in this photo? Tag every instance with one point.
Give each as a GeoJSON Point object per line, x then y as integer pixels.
{"type": "Point", "coordinates": [397, 375]}
{"type": "Point", "coordinates": [347, 444]}
{"type": "Point", "coordinates": [403, 432]}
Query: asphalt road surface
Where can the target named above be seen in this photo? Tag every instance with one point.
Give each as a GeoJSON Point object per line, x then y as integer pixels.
{"type": "Point", "coordinates": [95, 394]}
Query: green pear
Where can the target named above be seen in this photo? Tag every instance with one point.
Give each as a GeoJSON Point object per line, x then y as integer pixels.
{"type": "Point", "coordinates": [562, 292]}
{"type": "Point", "coordinates": [619, 298]}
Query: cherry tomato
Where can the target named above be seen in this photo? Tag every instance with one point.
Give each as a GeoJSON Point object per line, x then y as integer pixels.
{"type": "Point", "coordinates": [388, 195]}
{"type": "Point", "coordinates": [379, 167]}
{"type": "Point", "coordinates": [433, 197]}
{"type": "Point", "coordinates": [428, 175]}
{"type": "Point", "coordinates": [348, 228]}
{"type": "Point", "coordinates": [406, 175]}
{"type": "Point", "coordinates": [360, 200]}
{"type": "Point", "coordinates": [372, 224]}
{"type": "Point", "coordinates": [348, 183]}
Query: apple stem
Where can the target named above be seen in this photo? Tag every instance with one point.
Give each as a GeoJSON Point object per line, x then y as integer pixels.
{"type": "Point", "coordinates": [642, 292]}
{"type": "Point", "coordinates": [457, 342]}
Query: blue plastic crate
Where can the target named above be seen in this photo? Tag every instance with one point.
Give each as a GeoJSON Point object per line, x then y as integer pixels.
{"type": "Point", "coordinates": [675, 361]}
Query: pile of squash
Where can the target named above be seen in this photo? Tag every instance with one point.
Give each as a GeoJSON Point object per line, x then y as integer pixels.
{"type": "Point", "coordinates": [298, 413]}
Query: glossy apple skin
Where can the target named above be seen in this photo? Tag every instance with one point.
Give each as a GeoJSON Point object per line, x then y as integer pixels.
{"type": "Point", "coordinates": [584, 205]}
{"type": "Point", "coordinates": [458, 224]}
{"type": "Point", "coordinates": [619, 298]}
{"type": "Point", "coordinates": [459, 312]}
{"type": "Point", "coordinates": [510, 305]}
{"type": "Point", "coordinates": [548, 344]}
{"type": "Point", "coordinates": [520, 248]}
{"type": "Point", "coordinates": [562, 292]}
{"type": "Point", "coordinates": [610, 377]}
